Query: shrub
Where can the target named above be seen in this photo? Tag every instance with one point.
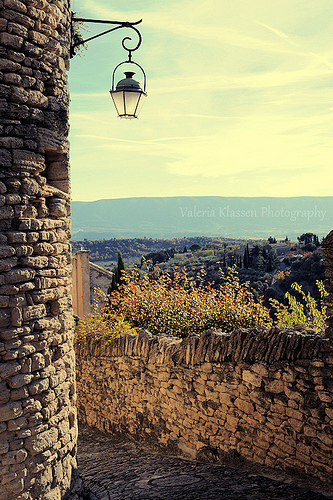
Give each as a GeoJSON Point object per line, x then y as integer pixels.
{"type": "Point", "coordinates": [181, 305]}
{"type": "Point", "coordinates": [101, 324]}
{"type": "Point", "coordinates": [302, 310]}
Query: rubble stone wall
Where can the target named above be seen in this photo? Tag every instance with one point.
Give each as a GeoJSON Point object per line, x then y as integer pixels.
{"type": "Point", "coordinates": [38, 430]}
{"type": "Point", "coordinates": [328, 261]}
{"type": "Point", "coordinates": [264, 397]}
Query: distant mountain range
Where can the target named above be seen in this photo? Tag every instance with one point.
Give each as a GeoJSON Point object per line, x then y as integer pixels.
{"type": "Point", "coordinates": [171, 217]}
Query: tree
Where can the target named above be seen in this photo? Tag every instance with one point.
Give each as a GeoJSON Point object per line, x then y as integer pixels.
{"type": "Point", "coordinates": [273, 261]}
{"type": "Point", "coordinates": [307, 238]}
{"type": "Point", "coordinates": [117, 273]}
{"type": "Point", "coordinates": [260, 264]}
{"type": "Point", "coordinates": [246, 259]}
{"type": "Point", "coordinates": [195, 247]}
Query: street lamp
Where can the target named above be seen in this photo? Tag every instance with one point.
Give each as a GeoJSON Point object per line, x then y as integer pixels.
{"type": "Point", "coordinates": [127, 95]}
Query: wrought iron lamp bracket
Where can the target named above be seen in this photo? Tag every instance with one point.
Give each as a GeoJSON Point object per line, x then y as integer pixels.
{"type": "Point", "coordinates": [118, 25]}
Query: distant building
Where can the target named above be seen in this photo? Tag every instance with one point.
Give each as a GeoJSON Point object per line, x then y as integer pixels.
{"type": "Point", "coordinates": [86, 276]}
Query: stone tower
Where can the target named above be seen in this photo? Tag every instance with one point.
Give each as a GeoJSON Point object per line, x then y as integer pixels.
{"type": "Point", "coordinates": [38, 430]}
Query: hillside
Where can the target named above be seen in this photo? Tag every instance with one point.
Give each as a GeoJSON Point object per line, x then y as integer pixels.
{"type": "Point", "coordinates": [176, 217]}
{"type": "Point", "coordinates": [104, 252]}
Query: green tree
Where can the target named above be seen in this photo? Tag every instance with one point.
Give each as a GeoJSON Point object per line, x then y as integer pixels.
{"type": "Point", "coordinates": [273, 261]}
{"type": "Point", "coordinates": [117, 273]}
{"type": "Point", "coordinates": [195, 247]}
{"type": "Point", "coordinates": [246, 258]}
{"type": "Point", "coordinates": [308, 238]}
{"type": "Point", "coordinates": [260, 264]}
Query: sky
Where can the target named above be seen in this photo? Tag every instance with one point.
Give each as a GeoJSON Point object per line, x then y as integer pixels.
{"type": "Point", "coordinates": [239, 100]}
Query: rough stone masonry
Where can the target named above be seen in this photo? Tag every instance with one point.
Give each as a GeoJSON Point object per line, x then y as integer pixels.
{"type": "Point", "coordinates": [38, 430]}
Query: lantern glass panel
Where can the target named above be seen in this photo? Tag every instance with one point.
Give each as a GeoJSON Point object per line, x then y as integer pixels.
{"type": "Point", "coordinates": [131, 102]}
{"type": "Point", "coordinates": [118, 100]}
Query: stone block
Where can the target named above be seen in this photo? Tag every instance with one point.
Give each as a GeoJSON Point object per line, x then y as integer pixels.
{"type": "Point", "coordinates": [58, 171]}
{"type": "Point", "coordinates": [16, 316]}
{"type": "Point", "coordinates": [5, 157]}
{"type": "Point", "coordinates": [20, 380]}
{"type": "Point", "coordinates": [245, 406]}
{"type": "Point", "coordinates": [37, 99]}
{"type": "Point", "coordinates": [42, 442]}
{"type": "Point", "coordinates": [30, 186]}
{"type": "Point", "coordinates": [38, 362]}
{"type": "Point", "coordinates": [4, 393]}
{"type": "Point", "coordinates": [19, 95]}
{"type": "Point", "coordinates": [7, 65]}
{"type": "Point", "coordinates": [13, 41]}
{"type": "Point", "coordinates": [253, 378]}
{"type": "Point", "coordinates": [5, 318]}
{"type": "Point", "coordinates": [14, 457]}
{"type": "Point", "coordinates": [34, 312]}
{"type": "Point", "coordinates": [16, 237]}
{"type": "Point", "coordinates": [19, 275]}
{"type": "Point", "coordinates": [7, 264]}
{"type": "Point", "coordinates": [4, 447]}
{"type": "Point", "coordinates": [6, 212]}
{"type": "Point", "coordinates": [11, 142]}
{"type": "Point", "coordinates": [275, 386]}
{"type": "Point", "coordinates": [15, 5]}
{"type": "Point", "coordinates": [43, 248]}
{"type": "Point", "coordinates": [4, 301]}
{"type": "Point", "coordinates": [37, 262]}
{"type": "Point", "coordinates": [17, 424]}
{"type": "Point", "coordinates": [7, 370]}
{"type": "Point", "coordinates": [38, 386]}
{"type": "Point", "coordinates": [28, 160]}
{"type": "Point", "coordinates": [10, 411]}
{"type": "Point", "coordinates": [6, 251]}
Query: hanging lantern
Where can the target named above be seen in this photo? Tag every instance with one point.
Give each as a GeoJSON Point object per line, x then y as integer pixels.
{"type": "Point", "coordinates": [128, 96]}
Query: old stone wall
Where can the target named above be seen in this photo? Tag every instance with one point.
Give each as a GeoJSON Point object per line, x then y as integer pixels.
{"type": "Point", "coordinates": [38, 428]}
{"type": "Point", "coordinates": [328, 261]}
{"type": "Point", "coordinates": [265, 397]}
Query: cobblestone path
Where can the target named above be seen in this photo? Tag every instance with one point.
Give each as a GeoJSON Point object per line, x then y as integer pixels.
{"type": "Point", "coordinates": [114, 470]}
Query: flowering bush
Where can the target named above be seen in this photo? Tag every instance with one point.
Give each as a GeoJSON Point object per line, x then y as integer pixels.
{"type": "Point", "coordinates": [101, 324]}
{"type": "Point", "coordinates": [303, 310]}
{"type": "Point", "coordinates": [180, 305]}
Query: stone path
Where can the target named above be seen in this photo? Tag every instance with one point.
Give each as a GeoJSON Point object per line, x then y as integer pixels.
{"type": "Point", "coordinates": [115, 470]}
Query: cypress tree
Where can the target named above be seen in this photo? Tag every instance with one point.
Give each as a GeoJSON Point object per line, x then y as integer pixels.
{"type": "Point", "coordinates": [246, 261]}
{"type": "Point", "coordinates": [117, 273]}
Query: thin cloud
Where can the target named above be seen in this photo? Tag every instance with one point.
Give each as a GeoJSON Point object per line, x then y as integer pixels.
{"type": "Point", "coordinates": [320, 58]}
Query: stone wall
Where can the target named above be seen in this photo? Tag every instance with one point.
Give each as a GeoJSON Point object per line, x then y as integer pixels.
{"type": "Point", "coordinates": [328, 261]}
{"type": "Point", "coordinates": [265, 397]}
{"type": "Point", "coordinates": [38, 428]}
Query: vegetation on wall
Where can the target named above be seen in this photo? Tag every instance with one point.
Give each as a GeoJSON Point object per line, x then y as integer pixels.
{"type": "Point", "coordinates": [208, 284]}
{"type": "Point", "coordinates": [301, 308]}
{"type": "Point", "coordinates": [181, 305]}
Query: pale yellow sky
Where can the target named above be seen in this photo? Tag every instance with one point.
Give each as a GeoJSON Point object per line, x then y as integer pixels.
{"type": "Point", "coordinates": [239, 101]}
